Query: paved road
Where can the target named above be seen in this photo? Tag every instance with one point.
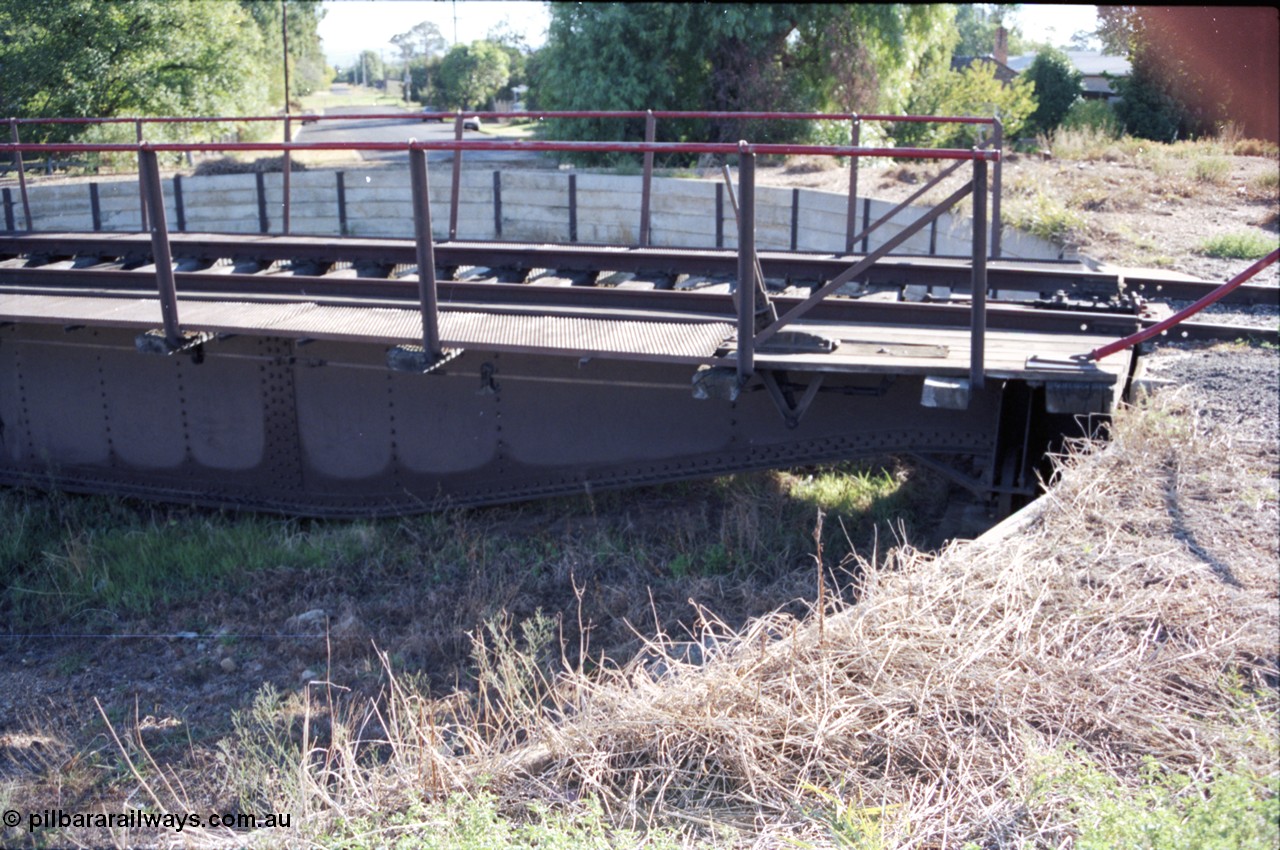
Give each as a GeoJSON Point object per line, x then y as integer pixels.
{"type": "Point", "coordinates": [401, 130]}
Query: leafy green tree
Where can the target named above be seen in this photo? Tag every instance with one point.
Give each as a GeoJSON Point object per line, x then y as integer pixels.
{"type": "Point", "coordinates": [132, 57]}
{"type": "Point", "coordinates": [1056, 83]}
{"type": "Point", "coordinates": [471, 74]}
{"type": "Point", "coordinates": [418, 46]}
{"type": "Point", "coordinates": [974, 91]}
{"type": "Point", "coordinates": [308, 70]}
{"type": "Point", "coordinates": [367, 70]}
{"type": "Point", "coordinates": [733, 57]}
{"type": "Point", "coordinates": [517, 50]}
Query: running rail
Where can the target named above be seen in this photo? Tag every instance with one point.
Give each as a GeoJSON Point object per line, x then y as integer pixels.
{"type": "Point", "coordinates": [1182, 315]}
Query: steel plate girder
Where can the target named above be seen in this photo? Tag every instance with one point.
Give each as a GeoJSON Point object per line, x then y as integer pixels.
{"type": "Point", "coordinates": [326, 429]}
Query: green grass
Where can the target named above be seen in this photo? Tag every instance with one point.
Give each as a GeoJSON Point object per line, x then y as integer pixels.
{"type": "Point", "coordinates": [63, 555]}
{"type": "Point", "coordinates": [1167, 809]}
{"type": "Point", "coordinates": [477, 822]}
{"type": "Point", "coordinates": [354, 96]}
{"type": "Point", "coordinates": [523, 130]}
{"type": "Point", "coordinates": [1238, 245]}
{"type": "Point", "coordinates": [850, 490]}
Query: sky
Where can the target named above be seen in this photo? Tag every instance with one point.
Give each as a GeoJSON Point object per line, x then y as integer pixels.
{"type": "Point", "coordinates": [350, 26]}
{"type": "Point", "coordinates": [1055, 24]}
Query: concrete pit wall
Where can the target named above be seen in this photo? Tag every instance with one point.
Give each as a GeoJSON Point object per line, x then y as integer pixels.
{"type": "Point", "coordinates": [535, 206]}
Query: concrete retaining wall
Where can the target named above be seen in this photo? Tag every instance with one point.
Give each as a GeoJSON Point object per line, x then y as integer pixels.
{"type": "Point", "coordinates": [534, 206]}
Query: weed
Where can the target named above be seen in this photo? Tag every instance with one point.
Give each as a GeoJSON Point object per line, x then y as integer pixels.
{"type": "Point", "coordinates": [1238, 245]}
{"type": "Point", "coordinates": [1044, 216]}
{"type": "Point", "coordinates": [1267, 182]}
{"type": "Point", "coordinates": [257, 760]}
{"type": "Point", "coordinates": [1212, 169]}
{"type": "Point", "coordinates": [855, 827]}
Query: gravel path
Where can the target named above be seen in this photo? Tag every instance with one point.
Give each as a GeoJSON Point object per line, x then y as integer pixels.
{"type": "Point", "coordinates": [1237, 386]}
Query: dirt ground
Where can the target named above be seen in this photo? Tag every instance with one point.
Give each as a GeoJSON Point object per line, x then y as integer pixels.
{"type": "Point", "coordinates": [1134, 214]}
{"type": "Point", "coordinates": [176, 676]}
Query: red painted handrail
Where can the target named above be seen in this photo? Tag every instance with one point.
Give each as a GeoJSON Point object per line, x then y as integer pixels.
{"type": "Point", "coordinates": [514, 145]}
{"type": "Point", "coordinates": [753, 116]}
{"type": "Point", "coordinates": [1182, 315]}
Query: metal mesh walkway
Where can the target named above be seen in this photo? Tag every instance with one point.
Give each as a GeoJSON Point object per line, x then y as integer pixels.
{"type": "Point", "coordinates": [568, 335]}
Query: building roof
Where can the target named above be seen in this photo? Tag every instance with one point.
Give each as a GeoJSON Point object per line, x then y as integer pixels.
{"type": "Point", "coordinates": [1003, 72]}
{"type": "Point", "coordinates": [1091, 63]}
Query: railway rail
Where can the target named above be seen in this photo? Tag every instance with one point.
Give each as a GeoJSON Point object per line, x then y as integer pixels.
{"type": "Point", "coordinates": [378, 376]}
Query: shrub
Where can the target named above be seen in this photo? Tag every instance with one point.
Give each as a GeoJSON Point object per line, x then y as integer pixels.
{"type": "Point", "coordinates": [1212, 169]}
{"type": "Point", "coordinates": [1057, 87]}
{"type": "Point", "coordinates": [1096, 116]}
{"type": "Point", "coordinates": [1238, 245]}
{"type": "Point", "coordinates": [974, 91]}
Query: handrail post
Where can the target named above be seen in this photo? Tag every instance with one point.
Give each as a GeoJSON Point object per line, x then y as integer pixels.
{"type": "Point", "coordinates": [978, 310]}
{"type": "Point", "coordinates": [22, 173]}
{"type": "Point", "coordinates": [646, 188]}
{"type": "Point", "coordinates": [426, 256]}
{"type": "Point", "coordinates": [851, 217]}
{"type": "Point", "coordinates": [288, 166]}
{"type": "Point", "coordinates": [746, 290]}
{"type": "Point", "coordinates": [457, 178]}
{"type": "Point", "coordinates": [142, 188]}
{"type": "Point", "coordinates": [997, 184]}
{"type": "Point", "coordinates": [153, 196]}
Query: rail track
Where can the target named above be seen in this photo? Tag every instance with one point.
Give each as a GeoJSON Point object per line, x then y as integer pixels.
{"type": "Point", "coordinates": [350, 377]}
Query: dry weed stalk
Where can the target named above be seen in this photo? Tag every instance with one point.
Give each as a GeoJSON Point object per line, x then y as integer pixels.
{"type": "Point", "coordinates": [935, 689]}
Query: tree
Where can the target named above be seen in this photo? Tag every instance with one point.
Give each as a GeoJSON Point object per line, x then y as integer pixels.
{"type": "Point", "coordinates": [418, 47]}
{"type": "Point", "coordinates": [423, 39]}
{"type": "Point", "coordinates": [1056, 84]}
{"type": "Point", "coordinates": [517, 50]}
{"type": "Point", "coordinates": [308, 70]}
{"type": "Point", "coordinates": [471, 74]}
{"type": "Point", "coordinates": [134, 57]}
{"type": "Point", "coordinates": [367, 70]}
{"type": "Point", "coordinates": [973, 91]}
{"type": "Point", "coordinates": [1195, 67]}
{"type": "Point", "coordinates": [733, 57]}
{"type": "Point", "coordinates": [977, 23]}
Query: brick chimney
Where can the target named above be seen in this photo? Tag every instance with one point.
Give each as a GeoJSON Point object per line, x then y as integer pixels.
{"type": "Point", "coordinates": [1002, 46]}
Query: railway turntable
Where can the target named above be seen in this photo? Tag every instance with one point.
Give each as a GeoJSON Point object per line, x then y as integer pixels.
{"type": "Point", "coordinates": [153, 365]}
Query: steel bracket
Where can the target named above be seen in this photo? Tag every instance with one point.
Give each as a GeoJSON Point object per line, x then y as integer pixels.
{"type": "Point", "coordinates": [155, 342]}
{"type": "Point", "coordinates": [780, 392]}
{"type": "Point", "coordinates": [413, 358]}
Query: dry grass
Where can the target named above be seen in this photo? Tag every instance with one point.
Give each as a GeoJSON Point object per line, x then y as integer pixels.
{"type": "Point", "coordinates": [1133, 614]}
